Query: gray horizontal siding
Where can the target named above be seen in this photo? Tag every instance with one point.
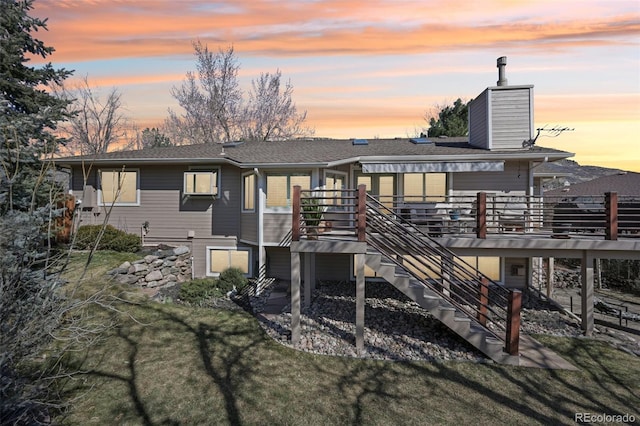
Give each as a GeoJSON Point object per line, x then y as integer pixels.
{"type": "Point", "coordinates": [510, 118]}
{"type": "Point", "coordinates": [335, 267]}
{"type": "Point", "coordinates": [170, 215]}
{"type": "Point", "coordinates": [478, 122]}
{"type": "Point", "coordinates": [514, 178]}
{"type": "Point", "coordinates": [249, 227]}
{"type": "Point", "coordinates": [278, 263]}
{"type": "Point", "coordinates": [277, 228]}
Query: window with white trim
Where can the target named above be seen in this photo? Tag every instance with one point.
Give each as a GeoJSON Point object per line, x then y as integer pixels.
{"type": "Point", "coordinates": [249, 192]}
{"type": "Point", "coordinates": [200, 182]}
{"type": "Point", "coordinates": [280, 187]}
{"type": "Point", "coordinates": [119, 187]}
{"type": "Point", "coordinates": [221, 258]}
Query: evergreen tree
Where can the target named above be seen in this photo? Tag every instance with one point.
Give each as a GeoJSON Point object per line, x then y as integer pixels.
{"type": "Point", "coordinates": [31, 307]}
{"type": "Point", "coordinates": [28, 112]}
{"type": "Point", "coordinates": [154, 138]}
{"type": "Point", "coordinates": [451, 120]}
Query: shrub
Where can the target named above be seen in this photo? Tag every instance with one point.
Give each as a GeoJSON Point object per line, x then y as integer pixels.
{"type": "Point", "coordinates": [231, 277]}
{"type": "Point", "coordinates": [113, 239]}
{"type": "Point", "coordinates": [198, 290]}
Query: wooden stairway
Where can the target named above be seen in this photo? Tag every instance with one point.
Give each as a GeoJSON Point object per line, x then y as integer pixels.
{"type": "Point", "coordinates": [454, 318]}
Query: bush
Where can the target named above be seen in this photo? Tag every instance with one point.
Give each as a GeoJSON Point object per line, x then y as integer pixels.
{"type": "Point", "coordinates": [198, 290]}
{"type": "Point", "coordinates": [232, 277]}
{"type": "Point", "coordinates": [113, 239]}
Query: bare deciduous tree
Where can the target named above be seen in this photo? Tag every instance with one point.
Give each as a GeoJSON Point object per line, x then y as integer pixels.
{"type": "Point", "coordinates": [98, 124]}
{"type": "Point", "coordinates": [216, 111]}
{"type": "Point", "coordinates": [212, 102]}
{"type": "Point", "coordinates": [271, 113]}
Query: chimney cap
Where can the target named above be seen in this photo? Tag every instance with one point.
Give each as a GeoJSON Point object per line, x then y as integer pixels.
{"type": "Point", "coordinates": [502, 64]}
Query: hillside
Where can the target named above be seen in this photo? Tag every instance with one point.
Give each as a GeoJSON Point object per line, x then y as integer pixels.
{"type": "Point", "coordinates": [575, 173]}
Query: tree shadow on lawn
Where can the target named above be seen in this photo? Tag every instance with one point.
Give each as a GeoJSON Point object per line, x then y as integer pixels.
{"type": "Point", "coordinates": [355, 391]}
{"type": "Point", "coordinates": [224, 349]}
{"type": "Point", "coordinates": [451, 393]}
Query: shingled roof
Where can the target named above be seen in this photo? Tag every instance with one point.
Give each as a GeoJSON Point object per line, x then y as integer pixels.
{"type": "Point", "coordinates": [315, 151]}
{"type": "Point", "coordinates": [627, 183]}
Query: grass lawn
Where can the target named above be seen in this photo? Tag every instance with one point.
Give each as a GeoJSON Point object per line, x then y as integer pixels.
{"type": "Point", "coordinates": [169, 364]}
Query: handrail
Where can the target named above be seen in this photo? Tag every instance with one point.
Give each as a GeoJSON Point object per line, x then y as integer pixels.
{"type": "Point", "coordinates": [326, 210]}
{"type": "Point", "coordinates": [462, 284]}
{"type": "Point", "coordinates": [484, 214]}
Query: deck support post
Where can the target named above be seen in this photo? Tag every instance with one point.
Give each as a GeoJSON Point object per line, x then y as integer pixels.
{"type": "Point", "coordinates": [512, 341]}
{"type": "Point", "coordinates": [586, 277]}
{"type": "Point", "coordinates": [550, 277]}
{"type": "Point", "coordinates": [360, 301]}
{"type": "Point", "coordinates": [361, 213]}
{"type": "Point", "coordinates": [483, 301]}
{"type": "Point", "coordinates": [295, 298]}
{"type": "Point", "coordinates": [445, 266]}
{"type": "Point", "coordinates": [309, 277]}
{"type": "Point", "coordinates": [481, 215]}
{"type": "Point", "coordinates": [295, 208]}
{"type": "Point", "coordinates": [611, 213]}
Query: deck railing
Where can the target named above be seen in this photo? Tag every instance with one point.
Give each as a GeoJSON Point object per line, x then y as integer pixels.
{"type": "Point", "coordinates": [438, 268]}
{"type": "Point", "coordinates": [323, 211]}
{"type": "Point", "coordinates": [420, 255]}
{"type": "Point", "coordinates": [606, 216]}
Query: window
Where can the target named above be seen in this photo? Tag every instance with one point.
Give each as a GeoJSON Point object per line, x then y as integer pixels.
{"type": "Point", "coordinates": [201, 183]}
{"type": "Point", "coordinates": [248, 192]}
{"type": "Point", "coordinates": [488, 265]}
{"type": "Point", "coordinates": [424, 186]}
{"type": "Point", "coordinates": [219, 259]}
{"type": "Point", "coordinates": [119, 187]}
{"type": "Point", "coordinates": [280, 187]}
{"type": "Point", "coordinates": [381, 186]}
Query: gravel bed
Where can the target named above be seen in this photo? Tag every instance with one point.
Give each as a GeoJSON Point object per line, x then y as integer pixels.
{"type": "Point", "coordinates": [396, 328]}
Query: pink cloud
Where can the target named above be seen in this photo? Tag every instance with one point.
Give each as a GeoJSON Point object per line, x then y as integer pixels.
{"type": "Point", "coordinates": [104, 29]}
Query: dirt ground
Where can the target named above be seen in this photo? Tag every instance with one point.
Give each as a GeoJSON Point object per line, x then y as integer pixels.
{"type": "Point", "coordinates": [624, 334]}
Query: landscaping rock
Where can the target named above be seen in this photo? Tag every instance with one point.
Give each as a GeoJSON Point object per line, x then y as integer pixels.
{"type": "Point", "coordinates": [118, 271]}
{"type": "Point", "coordinates": [127, 279]}
{"type": "Point", "coordinates": [153, 276]}
{"type": "Point", "coordinates": [138, 267]}
{"type": "Point", "coordinates": [156, 270]}
{"type": "Point", "coordinates": [181, 250]}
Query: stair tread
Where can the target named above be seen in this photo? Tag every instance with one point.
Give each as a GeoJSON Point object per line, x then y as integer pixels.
{"type": "Point", "coordinates": [458, 321]}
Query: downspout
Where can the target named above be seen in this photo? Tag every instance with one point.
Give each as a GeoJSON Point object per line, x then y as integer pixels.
{"type": "Point", "coordinates": [261, 251]}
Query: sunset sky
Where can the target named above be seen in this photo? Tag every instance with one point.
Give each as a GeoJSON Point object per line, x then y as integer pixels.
{"type": "Point", "coordinates": [372, 68]}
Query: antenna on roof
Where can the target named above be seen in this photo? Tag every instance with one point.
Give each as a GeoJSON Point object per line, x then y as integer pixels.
{"type": "Point", "coordinates": [554, 132]}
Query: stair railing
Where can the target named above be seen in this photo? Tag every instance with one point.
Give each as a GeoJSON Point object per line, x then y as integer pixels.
{"type": "Point", "coordinates": [458, 282]}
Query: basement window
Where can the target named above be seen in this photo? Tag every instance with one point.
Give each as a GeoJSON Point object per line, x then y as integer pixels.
{"type": "Point", "coordinates": [220, 258]}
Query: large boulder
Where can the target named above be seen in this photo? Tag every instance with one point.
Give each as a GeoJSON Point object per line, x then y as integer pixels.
{"type": "Point", "coordinates": [153, 276]}
{"type": "Point", "coordinates": [178, 251]}
{"type": "Point", "coordinates": [138, 267]}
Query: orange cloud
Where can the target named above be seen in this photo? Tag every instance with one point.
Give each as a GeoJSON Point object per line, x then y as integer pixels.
{"type": "Point", "coordinates": [100, 29]}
